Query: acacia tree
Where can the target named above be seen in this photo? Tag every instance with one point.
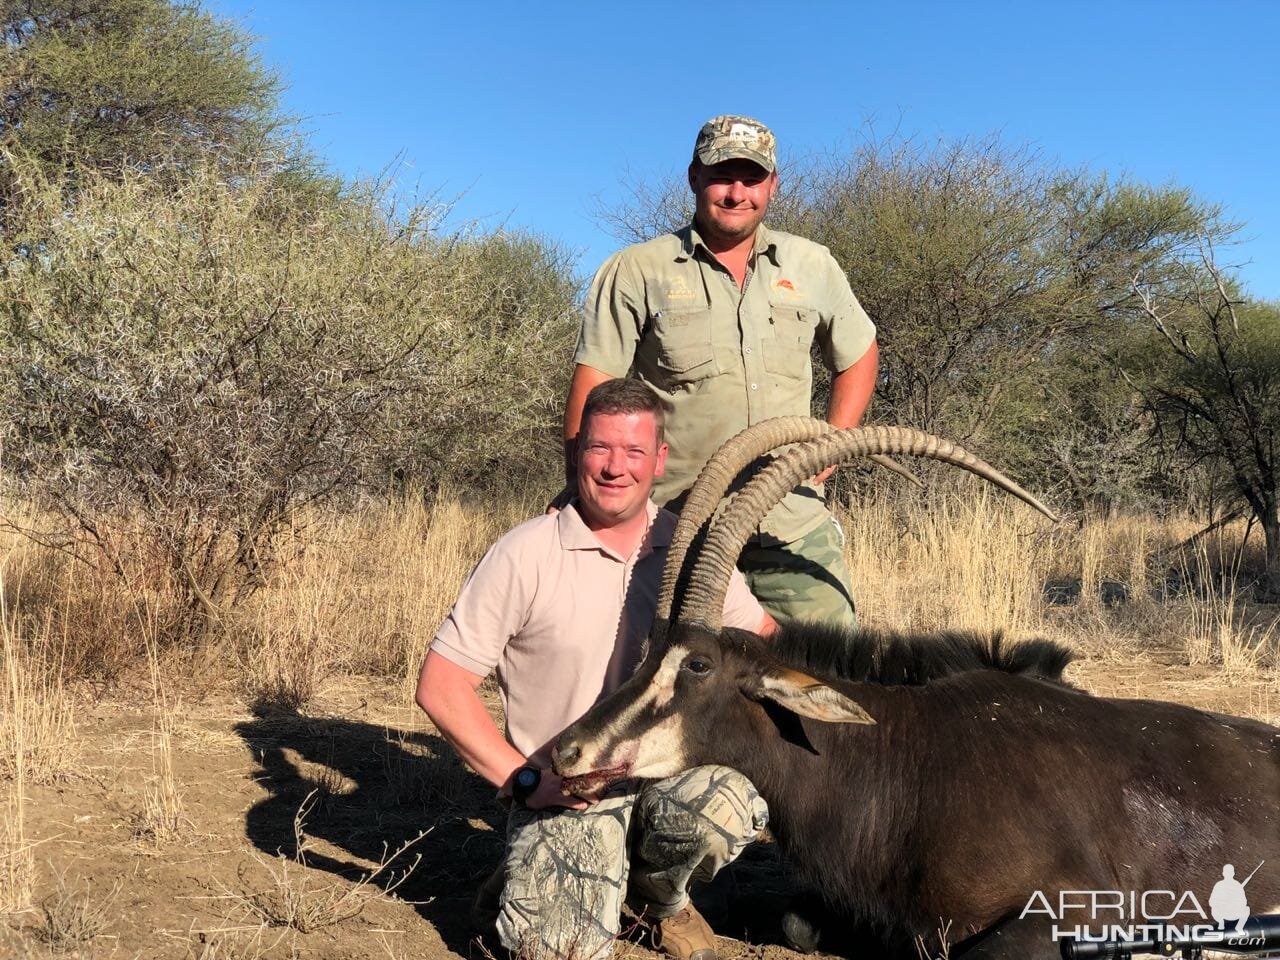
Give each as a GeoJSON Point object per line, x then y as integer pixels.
{"type": "Point", "coordinates": [183, 369]}
{"type": "Point", "coordinates": [102, 85]}
{"type": "Point", "coordinates": [982, 265]}
{"type": "Point", "coordinates": [1209, 365]}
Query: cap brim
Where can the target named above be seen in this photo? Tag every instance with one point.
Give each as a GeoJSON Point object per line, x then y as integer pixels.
{"type": "Point", "coordinates": [710, 157]}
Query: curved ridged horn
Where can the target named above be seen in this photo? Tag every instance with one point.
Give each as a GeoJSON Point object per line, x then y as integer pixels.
{"type": "Point", "coordinates": [893, 466]}
{"type": "Point", "coordinates": [704, 596]}
{"type": "Point", "coordinates": [713, 480]}
{"type": "Point", "coordinates": [718, 475]}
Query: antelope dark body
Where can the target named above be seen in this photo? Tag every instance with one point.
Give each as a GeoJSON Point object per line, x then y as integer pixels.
{"type": "Point", "coordinates": [982, 779]}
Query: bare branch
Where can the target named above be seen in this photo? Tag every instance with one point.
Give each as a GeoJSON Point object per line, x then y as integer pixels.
{"type": "Point", "coordinates": [1181, 345]}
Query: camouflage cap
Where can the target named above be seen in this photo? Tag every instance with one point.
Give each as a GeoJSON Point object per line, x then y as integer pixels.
{"type": "Point", "coordinates": [729, 137]}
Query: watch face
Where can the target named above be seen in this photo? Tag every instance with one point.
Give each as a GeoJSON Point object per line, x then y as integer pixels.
{"type": "Point", "coordinates": [527, 778]}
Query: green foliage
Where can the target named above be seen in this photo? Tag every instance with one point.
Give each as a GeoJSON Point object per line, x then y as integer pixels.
{"type": "Point", "coordinates": [1208, 364]}
{"type": "Point", "coordinates": [104, 85]}
{"type": "Point", "coordinates": [1081, 428]}
{"type": "Point", "coordinates": [981, 265]}
{"type": "Point", "coordinates": [491, 387]}
{"type": "Point", "coordinates": [185, 367]}
{"type": "Point", "coordinates": [201, 333]}
{"type": "Point", "coordinates": [112, 81]}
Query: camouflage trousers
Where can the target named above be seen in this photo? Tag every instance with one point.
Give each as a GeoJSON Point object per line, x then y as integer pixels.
{"type": "Point", "coordinates": [806, 579]}
{"type": "Point", "coordinates": [569, 871]}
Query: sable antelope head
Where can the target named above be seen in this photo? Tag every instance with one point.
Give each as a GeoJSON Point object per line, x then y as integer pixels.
{"type": "Point", "coordinates": [698, 680]}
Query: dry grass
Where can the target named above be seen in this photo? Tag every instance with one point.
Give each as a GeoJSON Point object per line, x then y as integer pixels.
{"type": "Point", "coordinates": [1220, 629]}
{"type": "Point", "coordinates": [958, 563]}
{"type": "Point", "coordinates": [293, 897]}
{"type": "Point", "coordinates": [362, 592]}
{"type": "Point", "coordinates": [17, 857]}
{"type": "Point", "coordinates": [234, 944]}
{"type": "Point", "coordinates": [81, 610]}
{"type": "Point", "coordinates": [74, 914]}
{"type": "Point", "coordinates": [37, 727]}
{"type": "Point", "coordinates": [414, 773]}
{"type": "Point", "coordinates": [37, 745]}
{"type": "Point", "coordinates": [1113, 587]}
{"type": "Point", "coordinates": [1219, 633]}
{"type": "Point", "coordinates": [364, 596]}
{"type": "Point", "coordinates": [937, 946]}
{"type": "Point", "coordinates": [161, 819]}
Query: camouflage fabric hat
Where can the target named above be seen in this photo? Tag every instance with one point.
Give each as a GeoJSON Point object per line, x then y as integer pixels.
{"type": "Point", "coordinates": [729, 137]}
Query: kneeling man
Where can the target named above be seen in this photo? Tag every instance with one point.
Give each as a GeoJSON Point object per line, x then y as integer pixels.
{"type": "Point", "coordinates": [560, 608]}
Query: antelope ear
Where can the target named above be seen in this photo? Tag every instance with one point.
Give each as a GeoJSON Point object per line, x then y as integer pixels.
{"type": "Point", "coordinates": [803, 695]}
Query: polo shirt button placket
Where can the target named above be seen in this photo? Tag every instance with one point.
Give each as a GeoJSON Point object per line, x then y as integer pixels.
{"type": "Point", "coordinates": [624, 580]}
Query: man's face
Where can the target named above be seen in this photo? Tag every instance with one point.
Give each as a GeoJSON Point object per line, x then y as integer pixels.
{"type": "Point", "coordinates": [731, 198]}
{"type": "Point", "coordinates": [618, 458]}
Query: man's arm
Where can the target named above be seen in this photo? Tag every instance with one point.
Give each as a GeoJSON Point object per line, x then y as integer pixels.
{"type": "Point", "coordinates": [585, 379]}
{"type": "Point", "coordinates": [851, 391]}
{"type": "Point", "coordinates": [448, 694]}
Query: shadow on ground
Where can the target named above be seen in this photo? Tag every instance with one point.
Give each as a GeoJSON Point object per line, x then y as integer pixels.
{"type": "Point", "coordinates": [378, 787]}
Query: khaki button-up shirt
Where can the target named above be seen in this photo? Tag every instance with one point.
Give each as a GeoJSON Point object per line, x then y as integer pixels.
{"type": "Point", "coordinates": [669, 313]}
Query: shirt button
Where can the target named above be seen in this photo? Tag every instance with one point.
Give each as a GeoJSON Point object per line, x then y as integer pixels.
{"type": "Point", "coordinates": [753, 386]}
{"type": "Point", "coordinates": [747, 350]}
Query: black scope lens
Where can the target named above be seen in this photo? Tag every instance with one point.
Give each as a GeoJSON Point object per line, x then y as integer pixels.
{"type": "Point", "coordinates": [1261, 935]}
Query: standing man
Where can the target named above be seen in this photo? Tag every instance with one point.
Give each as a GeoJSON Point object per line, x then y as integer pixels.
{"type": "Point", "coordinates": [718, 318]}
{"type": "Point", "coordinates": [560, 607]}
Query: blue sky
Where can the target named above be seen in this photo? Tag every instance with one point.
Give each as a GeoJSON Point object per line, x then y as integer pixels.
{"type": "Point", "coordinates": [535, 113]}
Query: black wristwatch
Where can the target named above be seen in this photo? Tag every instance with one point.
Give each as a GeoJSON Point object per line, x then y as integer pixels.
{"type": "Point", "coordinates": [524, 781]}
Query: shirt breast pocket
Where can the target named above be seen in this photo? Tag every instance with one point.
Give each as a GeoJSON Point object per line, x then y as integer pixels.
{"type": "Point", "coordinates": [684, 349]}
{"type": "Point", "coordinates": [793, 330]}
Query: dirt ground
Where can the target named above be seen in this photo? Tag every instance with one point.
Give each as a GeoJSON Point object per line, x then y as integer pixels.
{"type": "Point", "coordinates": [233, 880]}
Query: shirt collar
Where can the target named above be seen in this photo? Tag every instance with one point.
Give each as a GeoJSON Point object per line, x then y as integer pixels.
{"type": "Point", "coordinates": [691, 240]}
{"type": "Point", "coordinates": [576, 535]}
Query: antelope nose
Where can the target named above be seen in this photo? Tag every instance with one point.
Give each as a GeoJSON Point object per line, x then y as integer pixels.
{"type": "Point", "coordinates": [566, 753]}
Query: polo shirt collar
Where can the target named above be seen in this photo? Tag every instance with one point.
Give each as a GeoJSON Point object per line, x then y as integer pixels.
{"type": "Point", "coordinates": [576, 535]}
{"type": "Point", "coordinates": [691, 240]}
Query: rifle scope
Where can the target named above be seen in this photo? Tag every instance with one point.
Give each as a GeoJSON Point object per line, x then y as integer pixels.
{"type": "Point", "coordinates": [1261, 934]}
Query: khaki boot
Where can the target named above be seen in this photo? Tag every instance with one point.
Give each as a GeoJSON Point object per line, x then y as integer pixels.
{"type": "Point", "coordinates": [685, 936]}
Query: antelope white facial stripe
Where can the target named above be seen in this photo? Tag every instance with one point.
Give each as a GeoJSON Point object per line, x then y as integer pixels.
{"type": "Point", "coordinates": [657, 695]}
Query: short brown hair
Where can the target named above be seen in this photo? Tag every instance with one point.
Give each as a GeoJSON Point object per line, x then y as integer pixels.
{"type": "Point", "coordinates": [623, 395]}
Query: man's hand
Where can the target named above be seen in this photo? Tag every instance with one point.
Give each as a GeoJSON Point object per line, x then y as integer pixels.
{"type": "Point", "coordinates": [550, 793]}
{"type": "Point", "coordinates": [822, 477]}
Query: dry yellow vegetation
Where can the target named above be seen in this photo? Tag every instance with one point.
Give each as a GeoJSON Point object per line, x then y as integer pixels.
{"type": "Point", "coordinates": [314, 675]}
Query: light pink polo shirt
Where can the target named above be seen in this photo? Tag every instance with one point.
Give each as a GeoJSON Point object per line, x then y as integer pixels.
{"type": "Point", "coordinates": [562, 619]}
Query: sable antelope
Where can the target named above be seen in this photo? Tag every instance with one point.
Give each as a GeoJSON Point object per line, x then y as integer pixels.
{"type": "Point", "coordinates": [930, 788]}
